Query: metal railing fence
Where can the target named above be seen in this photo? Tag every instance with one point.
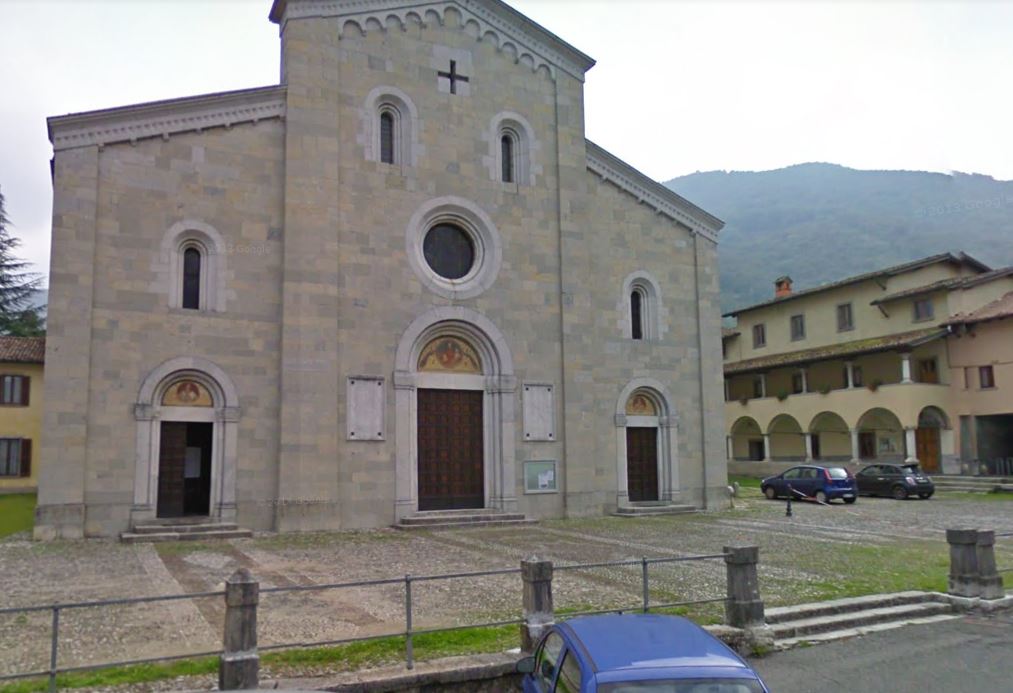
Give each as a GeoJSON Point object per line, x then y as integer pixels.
{"type": "Point", "coordinates": [408, 633]}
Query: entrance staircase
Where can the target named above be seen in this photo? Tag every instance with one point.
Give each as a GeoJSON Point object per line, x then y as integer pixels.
{"type": "Point", "coordinates": [186, 529]}
{"type": "Point", "coordinates": [847, 618]}
{"type": "Point", "coordinates": [652, 508]}
{"type": "Point", "coordinates": [974, 484]}
{"type": "Point", "coordinates": [456, 519]}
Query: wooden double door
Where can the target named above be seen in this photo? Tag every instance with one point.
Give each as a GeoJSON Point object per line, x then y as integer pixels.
{"type": "Point", "coordinates": [642, 464]}
{"type": "Point", "coordinates": [184, 469]}
{"type": "Point", "coordinates": [450, 449]}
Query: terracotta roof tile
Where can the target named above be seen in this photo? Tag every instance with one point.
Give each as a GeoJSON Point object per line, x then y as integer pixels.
{"type": "Point", "coordinates": [23, 349]}
{"type": "Point", "coordinates": [835, 351]}
{"type": "Point", "coordinates": [956, 258]}
{"type": "Point", "coordinates": [950, 283]}
{"type": "Point", "coordinates": [996, 310]}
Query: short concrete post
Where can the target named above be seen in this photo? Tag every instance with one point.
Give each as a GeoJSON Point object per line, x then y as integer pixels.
{"type": "Point", "coordinates": [989, 579]}
{"type": "Point", "coordinates": [538, 610]}
{"type": "Point", "coordinates": [963, 562]}
{"type": "Point", "coordinates": [744, 608]}
{"type": "Point", "coordinates": [239, 667]}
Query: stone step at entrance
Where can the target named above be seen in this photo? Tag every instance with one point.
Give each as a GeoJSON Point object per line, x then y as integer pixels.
{"type": "Point", "coordinates": [186, 529]}
{"type": "Point", "coordinates": [452, 519]}
{"type": "Point", "coordinates": [847, 618]}
{"type": "Point", "coordinates": [973, 483]}
{"type": "Point", "coordinates": [652, 508]}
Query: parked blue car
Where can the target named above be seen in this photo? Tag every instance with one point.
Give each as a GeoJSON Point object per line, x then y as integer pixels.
{"type": "Point", "coordinates": [812, 481]}
{"type": "Point", "coordinates": [635, 653]}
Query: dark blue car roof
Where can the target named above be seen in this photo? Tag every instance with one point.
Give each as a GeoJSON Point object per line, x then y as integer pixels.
{"type": "Point", "coordinates": [621, 641]}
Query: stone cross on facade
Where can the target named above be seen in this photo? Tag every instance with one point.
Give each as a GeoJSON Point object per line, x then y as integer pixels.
{"type": "Point", "coordinates": [454, 76]}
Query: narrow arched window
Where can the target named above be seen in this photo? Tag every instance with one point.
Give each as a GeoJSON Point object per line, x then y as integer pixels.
{"type": "Point", "coordinates": [636, 315]}
{"type": "Point", "coordinates": [191, 278]}
{"type": "Point", "coordinates": [506, 144]}
{"type": "Point", "coordinates": [387, 137]}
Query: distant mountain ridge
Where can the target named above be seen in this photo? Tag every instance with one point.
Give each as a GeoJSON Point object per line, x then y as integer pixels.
{"type": "Point", "coordinates": [820, 222]}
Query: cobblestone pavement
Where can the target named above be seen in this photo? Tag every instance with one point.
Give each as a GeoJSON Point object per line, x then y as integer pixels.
{"type": "Point", "coordinates": [874, 545]}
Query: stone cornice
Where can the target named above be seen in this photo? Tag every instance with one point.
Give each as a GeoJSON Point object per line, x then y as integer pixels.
{"type": "Point", "coordinates": [487, 20]}
{"type": "Point", "coordinates": [650, 192]}
{"type": "Point", "coordinates": [164, 118]}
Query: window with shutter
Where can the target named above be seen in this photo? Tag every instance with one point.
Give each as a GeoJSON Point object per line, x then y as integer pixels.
{"type": "Point", "coordinates": [14, 390]}
{"type": "Point", "coordinates": [26, 457]}
{"type": "Point", "coordinates": [10, 457]}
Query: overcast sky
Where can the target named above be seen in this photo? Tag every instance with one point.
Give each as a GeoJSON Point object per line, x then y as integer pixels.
{"type": "Point", "coordinates": [679, 86]}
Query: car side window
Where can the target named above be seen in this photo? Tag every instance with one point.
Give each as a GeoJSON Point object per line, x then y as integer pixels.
{"type": "Point", "coordinates": [569, 675]}
{"type": "Point", "coordinates": [810, 473]}
{"type": "Point", "coordinates": [793, 474]}
{"type": "Point", "coordinates": [548, 658]}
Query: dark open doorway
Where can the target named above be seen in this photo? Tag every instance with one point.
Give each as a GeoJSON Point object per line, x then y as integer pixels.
{"type": "Point", "coordinates": [184, 469]}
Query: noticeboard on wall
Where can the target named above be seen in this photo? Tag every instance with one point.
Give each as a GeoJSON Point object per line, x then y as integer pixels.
{"type": "Point", "coordinates": [540, 476]}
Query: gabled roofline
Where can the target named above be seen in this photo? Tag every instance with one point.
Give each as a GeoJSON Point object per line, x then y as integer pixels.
{"type": "Point", "coordinates": [947, 285]}
{"type": "Point", "coordinates": [650, 192]}
{"type": "Point", "coordinates": [505, 23]}
{"type": "Point", "coordinates": [959, 258]}
{"type": "Point", "coordinates": [163, 118]}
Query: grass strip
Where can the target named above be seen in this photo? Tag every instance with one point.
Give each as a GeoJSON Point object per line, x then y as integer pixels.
{"type": "Point", "coordinates": [336, 658]}
{"type": "Point", "coordinates": [17, 513]}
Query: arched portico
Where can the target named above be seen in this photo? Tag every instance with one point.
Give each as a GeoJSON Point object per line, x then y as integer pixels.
{"type": "Point", "coordinates": [787, 443]}
{"type": "Point", "coordinates": [746, 440]}
{"type": "Point", "coordinates": [830, 437]}
{"type": "Point", "coordinates": [491, 374]}
{"type": "Point", "coordinates": [646, 426]}
{"type": "Point", "coordinates": [881, 436]}
{"type": "Point", "coordinates": [181, 391]}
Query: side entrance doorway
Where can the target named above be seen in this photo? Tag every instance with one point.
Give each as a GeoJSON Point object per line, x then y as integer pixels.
{"type": "Point", "coordinates": [450, 449]}
{"type": "Point", "coordinates": [184, 469]}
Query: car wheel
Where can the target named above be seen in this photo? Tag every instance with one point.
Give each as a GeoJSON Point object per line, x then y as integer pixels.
{"type": "Point", "coordinates": [925, 496]}
{"type": "Point", "coordinates": [899, 492]}
{"type": "Point", "coordinates": [820, 497]}
{"type": "Point", "coordinates": [849, 501]}
{"type": "Point", "coordinates": [770, 493]}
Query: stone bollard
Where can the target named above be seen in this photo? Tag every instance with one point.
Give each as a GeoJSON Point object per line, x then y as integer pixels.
{"type": "Point", "coordinates": [744, 608]}
{"type": "Point", "coordinates": [989, 579]}
{"type": "Point", "coordinates": [963, 562]}
{"type": "Point", "coordinates": [239, 666]}
{"type": "Point", "coordinates": [538, 611]}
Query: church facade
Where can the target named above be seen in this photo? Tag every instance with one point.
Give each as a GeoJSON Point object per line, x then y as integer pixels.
{"type": "Point", "coordinates": [400, 281]}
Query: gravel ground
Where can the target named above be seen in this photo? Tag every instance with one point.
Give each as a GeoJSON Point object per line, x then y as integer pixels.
{"type": "Point", "coordinates": [800, 557]}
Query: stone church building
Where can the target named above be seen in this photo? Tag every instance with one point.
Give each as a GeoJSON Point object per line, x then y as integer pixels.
{"type": "Point", "coordinates": [400, 281]}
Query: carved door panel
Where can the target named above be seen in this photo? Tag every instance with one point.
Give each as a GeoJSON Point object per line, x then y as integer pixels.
{"type": "Point", "coordinates": [450, 449]}
{"type": "Point", "coordinates": [642, 463]}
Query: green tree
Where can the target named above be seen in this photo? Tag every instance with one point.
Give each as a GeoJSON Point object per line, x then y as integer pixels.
{"type": "Point", "coordinates": [17, 285]}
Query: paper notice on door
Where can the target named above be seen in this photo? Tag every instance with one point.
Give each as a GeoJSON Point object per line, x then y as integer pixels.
{"type": "Point", "coordinates": [191, 463]}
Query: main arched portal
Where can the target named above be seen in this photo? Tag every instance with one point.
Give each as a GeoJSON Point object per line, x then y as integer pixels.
{"type": "Point", "coordinates": [454, 388]}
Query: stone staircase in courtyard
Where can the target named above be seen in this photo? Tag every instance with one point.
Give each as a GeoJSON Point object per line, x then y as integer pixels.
{"type": "Point", "coordinates": [183, 530]}
{"type": "Point", "coordinates": [652, 508]}
{"type": "Point", "coordinates": [847, 618]}
{"type": "Point", "coordinates": [974, 484]}
{"type": "Point", "coordinates": [456, 519]}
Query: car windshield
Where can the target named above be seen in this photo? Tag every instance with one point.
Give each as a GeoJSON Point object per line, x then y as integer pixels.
{"type": "Point", "coordinates": [684, 686]}
{"type": "Point", "coordinates": [838, 473]}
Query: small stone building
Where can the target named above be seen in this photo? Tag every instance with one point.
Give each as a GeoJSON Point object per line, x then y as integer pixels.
{"type": "Point", "coordinates": [399, 281]}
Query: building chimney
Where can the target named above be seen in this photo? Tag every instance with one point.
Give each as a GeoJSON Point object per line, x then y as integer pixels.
{"type": "Point", "coordinates": [782, 287]}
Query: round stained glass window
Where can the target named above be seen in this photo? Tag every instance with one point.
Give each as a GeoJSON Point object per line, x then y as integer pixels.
{"type": "Point", "coordinates": [449, 251]}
